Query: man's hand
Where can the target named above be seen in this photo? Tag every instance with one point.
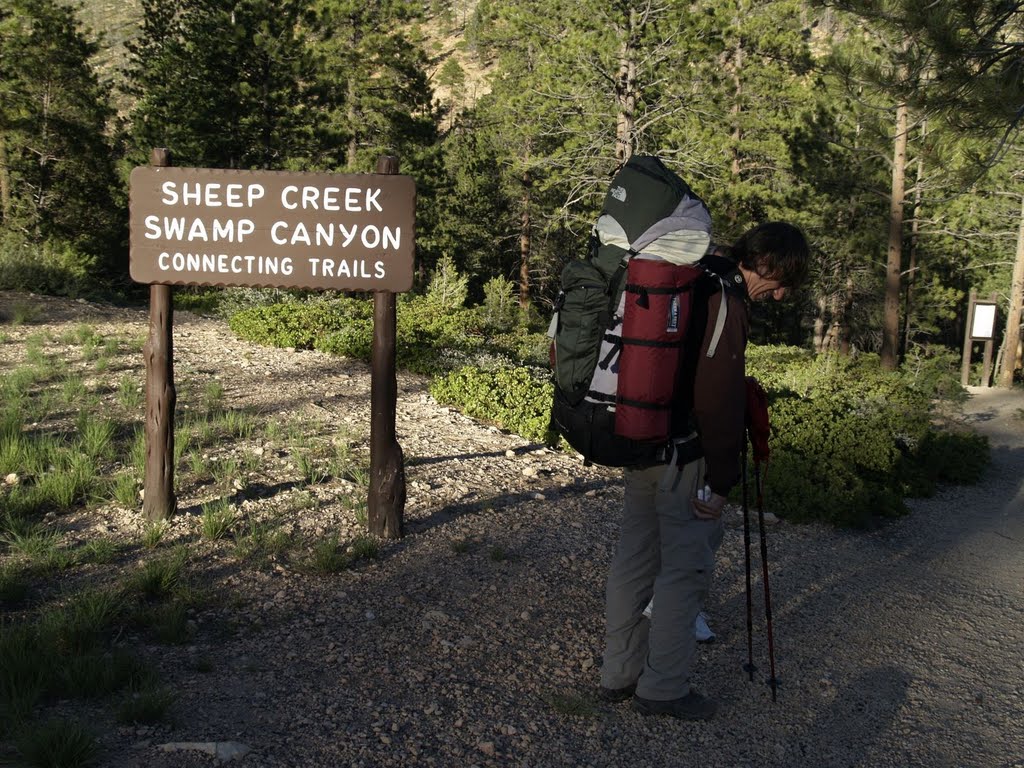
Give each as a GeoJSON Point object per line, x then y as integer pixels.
{"type": "Point", "coordinates": [710, 509]}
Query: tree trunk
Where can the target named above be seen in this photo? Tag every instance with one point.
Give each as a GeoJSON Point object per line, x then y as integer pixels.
{"type": "Point", "coordinates": [353, 143]}
{"type": "Point", "coordinates": [736, 110]}
{"type": "Point", "coordinates": [1011, 359]}
{"type": "Point", "coordinates": [894, 263]}
{"type": "Point", "coordinates": [819, 324]}
{"type": "Point", "coordinates": [525, 243]}
{"type": "Point", "coordinates": [626, 95]}
{"type": "Point", "coordinates": [5, 182]}
{"type": "Point", "coordinates": [843, 324]}
{"type": "Point", "coordinates": [915, 235]}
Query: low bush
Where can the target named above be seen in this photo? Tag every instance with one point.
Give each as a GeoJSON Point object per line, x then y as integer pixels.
{"type": "Point", "coordinates": [298, 324]}
{"type": "Point", "coordinates": [850, 441]}
{"type": "Point", "coordinates": [53, 267]}
{"type": "Point", "coordinates": [516, 399]}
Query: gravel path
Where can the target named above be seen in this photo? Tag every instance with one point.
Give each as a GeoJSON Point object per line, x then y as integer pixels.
{"type": "Point", "coordinates": [476, 639]}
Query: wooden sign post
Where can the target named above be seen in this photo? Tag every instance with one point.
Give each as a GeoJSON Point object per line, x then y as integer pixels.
{"type": "Point", "coordinates": [277, 229]}
{"type": "Point", "coordinates": [386, 504]}
{"type": "Point", "coordinates": [158, 502]}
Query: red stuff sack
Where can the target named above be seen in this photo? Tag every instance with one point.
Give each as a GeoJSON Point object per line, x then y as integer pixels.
{"type": "Point", "coordinates": [656, 310]}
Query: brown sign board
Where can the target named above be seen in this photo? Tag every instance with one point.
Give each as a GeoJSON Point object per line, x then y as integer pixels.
{"type": "Point", "coordinates": [278, 229]}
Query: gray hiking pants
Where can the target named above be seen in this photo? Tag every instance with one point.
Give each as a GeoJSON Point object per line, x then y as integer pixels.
{"type": "Point", "coordinates": [663, 550]}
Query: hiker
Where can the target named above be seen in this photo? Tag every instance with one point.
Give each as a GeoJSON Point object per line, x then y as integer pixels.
{"type": "Point", "coordinates": [672, 519]}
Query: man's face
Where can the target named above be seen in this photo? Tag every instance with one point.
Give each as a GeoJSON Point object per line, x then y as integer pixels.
{"type": "Point", "coordinates": [769, 288]}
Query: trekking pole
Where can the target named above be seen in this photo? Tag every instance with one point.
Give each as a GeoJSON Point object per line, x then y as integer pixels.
{"type": "Point", "coordinates": [773, 680]}
{"type": "Point", "coordinates": [749, 668]}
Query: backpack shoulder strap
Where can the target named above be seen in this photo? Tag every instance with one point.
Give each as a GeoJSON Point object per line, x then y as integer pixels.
{"type": "Point", "coordinates": [724, 274]}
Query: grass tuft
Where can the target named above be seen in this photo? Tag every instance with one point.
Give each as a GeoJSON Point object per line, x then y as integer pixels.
{"type": "Point", "coordinates": [79, 625]}
{"type": "Point", "coordinates": [14, 585]}
{"type": "Point", "coordinates": [98, 551]}
{"type": "Point", "coordinates": [25, 673]}
{"type": "Point", "coordinates": [58, 744]}
{"type": "Point", "coordinates": [365, 548]}
{"type": "Point", "coordinates": [146, 706]}
{"type": "Point", "coordinates": [129, 392]}
{"type": "Point", "coordinates": [217, 520]}
{"type": "Point", "coordinates": [159, 577]}
{"type": "Point", "coordinates": [125, 490]}
{"type": "Point", "coordinates": [261, 543]}
{"type": "Point", "coordinates": [94, 675]}
{"type": "Point", "coordinates": [327, 556]}
{"type": "Point", "coordinates": [154, 534]}
{"type": "Point", "coordinates": [213, 397]}
{"type": "Point", "coordinates": [169, 622]}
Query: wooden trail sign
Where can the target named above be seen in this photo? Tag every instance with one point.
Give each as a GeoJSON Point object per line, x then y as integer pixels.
{"type": "Point", "coordinates": [326, 231]}
{"type": "Point", "coordinates": [197, 226]}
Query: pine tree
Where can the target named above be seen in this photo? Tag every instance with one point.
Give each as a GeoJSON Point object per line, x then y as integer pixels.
{"type": "Point", "coordinates": [222, 83]}
{"type": "Point", "coordinates": [56, 171]}
{"type": "Point", "coordinates": [966, 61]}
{"type": "Point", "coordinates": [371, 85]}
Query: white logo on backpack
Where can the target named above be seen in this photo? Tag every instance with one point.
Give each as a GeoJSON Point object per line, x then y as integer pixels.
{"type": "Point", "coordinates": [619, 193]}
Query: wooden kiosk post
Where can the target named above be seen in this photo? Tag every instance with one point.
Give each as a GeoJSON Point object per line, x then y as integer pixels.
{"type": "Point", "coordinates": [386, 502]}
{"type": "Point", "coordinates": [158, 501]}
{"type": "Point", "coordinates": [986, 360]}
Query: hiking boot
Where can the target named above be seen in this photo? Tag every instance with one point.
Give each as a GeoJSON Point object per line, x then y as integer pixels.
{"type": "Point", "coordinates": [615, 695]}
{"type": "Point", "coordinates": [692, 706]}
{"type": "Point", "coordinates": [702, 630]}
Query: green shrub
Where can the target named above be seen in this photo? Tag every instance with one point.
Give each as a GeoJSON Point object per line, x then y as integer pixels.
{"type": "Point", "coordinates": [523, 347]}
{"type": "Point", "coordinates": [52, 267]}
{"type": "Point", "coordinates": [516, 399]}
{"type": "Point", "coordinates": [146, 705]}
{"type": "Point", "coordinates": [850, 441]}
{"type": "Point", "coordinates": [354, 341]}
{"type": "Point", "coordinates": [959, 458]}
{"type": "Point", "coordinates": [298, 324]}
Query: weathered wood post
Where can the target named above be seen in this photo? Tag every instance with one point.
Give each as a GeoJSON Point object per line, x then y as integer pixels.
{"type": "Point", "coordinates": [965, 361]}
{"type": "Point", "coordinates": [386, 503]}
{"type": "Point", "coordinates": [159, 502]}
{"type": "Point", "coordinates": [986, 365]}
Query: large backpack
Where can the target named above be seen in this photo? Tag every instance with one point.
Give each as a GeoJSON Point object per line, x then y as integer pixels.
{"type": "Point", "coordinates": [622, 315]}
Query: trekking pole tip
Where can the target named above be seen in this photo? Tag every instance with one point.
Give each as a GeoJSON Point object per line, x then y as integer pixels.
{"type": "Point", "coordinates": [750, 669]}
